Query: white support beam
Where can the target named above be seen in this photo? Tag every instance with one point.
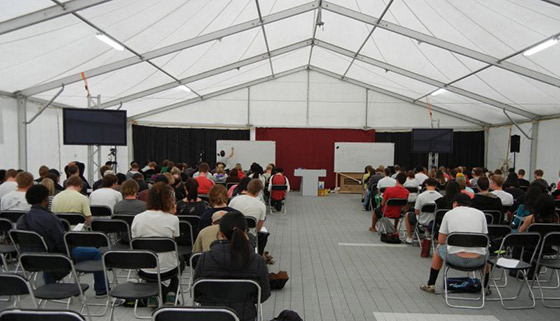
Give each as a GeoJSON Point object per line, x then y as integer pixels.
{"type": "Point", "coordinates": [464, 51]}
{"type": "Point", "coordinates": [22, 132]}
{"type": "Point", "coordinates": [553, 2]}
{"type": "Point", "coordinates": [216, 35]}
{"type": "Point", "coordinates": [216, 93]}
{"type": "Point", "coordinates": [47, 14]}
{"type": "Point", "coordinates": [534, 149]}
{"type": "Point", "coordinates": [424, 79]}
{"type": "Point", "coordinates": [207, 74]}
{"type": "Point", "coordinates": [400, 97]}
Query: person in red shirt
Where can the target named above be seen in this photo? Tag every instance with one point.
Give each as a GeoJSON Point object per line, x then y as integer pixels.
{"type": "Point", "coordinates": [397, 191]}
{"type": "Point", "coordinates": [204, 183]}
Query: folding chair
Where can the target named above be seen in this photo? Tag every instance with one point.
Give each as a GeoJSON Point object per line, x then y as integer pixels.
{"type": "Point", "coordinates": [40, 315]}
{"type": "Point", "coordinates": [13, 216]}
{"type": "Point", "coordinates": [223, 292]}
{"type": "Point", "coordinates": [426, 208]}
{"type": "Point", "coordinates": [72, 218]}
{"type": "Point", "coordinates": [27, 241]}
{"type": "Point", "coordinates": [15, 285]}
{"type": "Point", "coordinates": [118, 232]}
{"type": "Point", "coordinates": [278, 188]}
{"type": "Point", "coordinates": [185, 241]}
{"type": "Point", "coordinates": [193, 260]}
{"type": "Point", "coordinates": [66, 225]}
{"type": "Point", "coordinates": [100, 210]}
{"type": "Point", "coordinates": [412, 189]}
{"type": "Point", "coordinates": [132, 259]}
{"type": "Point", "coordinates": [393, 202]}
{"type": "Point", "coordinates": [193, 221]}
{"type": "Point", "coordinates": [489, 218]}
{"type": "Point", "coordinates": [543, 229]}
{"type": "Point", "coordinates": [54, 263]}
{"type": "Point", "coordinates": [496, 234]}
{"type": "Point", "coordinates": [252, 226]}
{"type": "Point", "coordinates": [195, 313]}
{"type": "Point", "coordinates": [551, 240]}
{"type": "Point", "coordinates": [497, 216]}
{"type": "Point", "coordinates": [438, 218]}
{"type": "Point", "coordinates": [5, 249]}
{"type": "Point", "coordinates": [505, 261]}
{"type": "Point", "coordinates": [96, 240]}
{"type": "Point", "coordinates": [160, 245]}
{"type": "Point", "coordinates": [204, 197]}
{"type": "Point", "coordinates": [468, 240]}
{"type": "Point", "coordinates": [128, 218]}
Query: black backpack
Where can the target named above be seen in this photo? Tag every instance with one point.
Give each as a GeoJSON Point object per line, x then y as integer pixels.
{"type": "Point", "coordinates": [288, 315]}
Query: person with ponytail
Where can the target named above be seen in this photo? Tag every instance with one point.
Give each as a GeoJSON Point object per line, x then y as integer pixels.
{"type": "Point", "coordinates": [233, 257]}
{"type": "Point", "coordinates": [191, 204]}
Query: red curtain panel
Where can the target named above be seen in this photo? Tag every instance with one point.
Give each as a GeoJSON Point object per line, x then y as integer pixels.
{"type": "Point", "coordinates": [310, 148]}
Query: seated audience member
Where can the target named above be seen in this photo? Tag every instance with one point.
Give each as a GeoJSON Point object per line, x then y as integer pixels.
{"type": "Point", "coordinates": [43, 222]}
{"type": "Point", "coordinates": [420, 175]}
{"type": "Point", "coordinates": [233, 176]}
{"type": "Point", "coordinates": [209, 234]}
{"type": "Point", "coordinates": [142, 185]}
{"type": "Point", "coordinates": [411, 182]}
{"type": "Point", "coordinates": [150, 171]}
{"type": "Point", "coordinates": [164, 165]}
{"type": "Point", "coordinates": [452, 188]}
{"type": "Point", "coordinates": [49, 184]}
{"type": "Point", "coordinates": [81, 171]}
{"type": "Point", "coordinates": [233, 258]}
{"type": "Point", "coordinates": [276, 196]}
{"type": "Point", "coordinates": [496, 184]}
{"type": "Point", "coordinates": [461, 218]}
{"type": "Point", "coordinates": [394, 212]}
{"type": "Point", "coordinates": [368, 171]}
{"type": "Point", "coordinates": [55, 176]}
{"type": "Point", "coordinates": [240, 171]}
{"type": "Point", "coordinates": [372, 186]}
{"type": "Point", "coordinates": [9, 184]}
{"type": "Point", "coordinates": [511, 185]}
{"type": "Point", "coordinates": [106, 195]}
{"type": "Point", "coordinates": [429, 196]}
{"type": "Point", "coordinates": [191, 204]}
{"type": "Point", "coordinates": [134, 169]}
{"type": "Point", "coordinates": [2, 175]}
{"type": "Point", "coordinates": [159, 220]}
{"type": "Point", "coordinates": [476, 173]}
{"type": "Point", "coordinates": [270, 171]}
{"type": "Point", "coordinates": [15, 200]}
{"type": "Point", "coordinates": [178, 184]}
{"type": "Point", "coordinates": [71, 200]}
{"type": "Point", "coordinates": [204, 183]}
{"type": "Point", "coordinates": [386, 181]}
{"type": "Point", "coordinates": [527, 207]}
{"type": "Point", "coordinates": [249, 205]}
{"type": "Point", "coordinates": [240, 188]}
{"type": "Point", "coordinates": [257, 172]}
{"type": "Point", "coordinates": [120, 180]}
{"type": "Point", "coordinates": [398, 170]}
{"type": "Point", "coordinates": [461, 180]}
{"type": "Point", "coordinates": [102, 170]}
{"type": "Point", "coordinates": [220, 177]}
{"type": "Point", "coordinates": [539, 173]}
{"type": "Point", "coordinates": [218, 200]}
{"type": "Point", "coordinates": [43, 170]}
{"type": "Point", "coordinates": [521, 177]}
{"type": "Point", "coordinates": [544, 211]}
{"type": "Point", "coordinates": [129, 204]}
{"type": "Point", "coordinates": [484, 200]}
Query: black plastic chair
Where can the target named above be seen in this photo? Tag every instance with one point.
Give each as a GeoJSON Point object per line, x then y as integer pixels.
{"type": "Point", "coordinates": [550, 240]}
{"type": "Point", "coordinates": [223, 292]}
{"type": "Point", "coordinates": [497, 216]}
{"type": "Point", "coordinates": [523, 242]}
{"type": "Point", "coordinates": [438, 218]}
{"type": "Point", "coordinates": [426, 209]}
{"type": "Point", "coordinates": [118, 232]}
{"type": "Point", "coordinates": [72, 218]}
{"type": "Point", "coordinates": [194, 221]}
{"type": "Point", "coordinates": [28, 241]}
{"type": "Point", "coordinates": [278, 188]}
{"type": "Point", "coordinates": [195, 313]}
{"type": "Point", "coordinates": [100, 210]}
{"type": "Point", "coordinates": [467, 240]}
{"type": "Point", "coordinates": [186, 231]}
{"type": "Point", "coordinates": [496, 234]}
{"type": "Point", "coordinates": [128, 218]}
{"type": "Point", "coordinates": [204, 197]}
{"type": "Point", "coordinates": [412, 189]}
{"type": "Point", "coordinates": [40, 315]}
{"type": "Point", "coordinates": [5, 249]}
{"type": "Point", "coordinates": [86, 239]}
{"type": "Point", "coordinates": [132, 260]}
{"type": "Point", "coordinates": [54, 263]}
{"type": "Point", "coordinates": [393, 202]}
{"type": "Point", "coordinates": [16, 285]}
{"type": "Point", "coordinates": [13, 216]}
{"type": "Point", "coordinates": [489, 218]}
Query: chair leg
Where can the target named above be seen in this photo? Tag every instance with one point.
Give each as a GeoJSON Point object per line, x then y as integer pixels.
{"type": "Point", "coordinates": [542, 297]}
{"type": "Point", "coordinates": [448, 297]}
{"type": "Point", "coordinates": [525, 282]}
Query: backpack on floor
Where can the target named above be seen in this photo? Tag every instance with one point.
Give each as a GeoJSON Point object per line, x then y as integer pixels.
{"type": "Point", "coordinates": [463, 285]}
{"type": "Point", "coordinates": [288, 315]}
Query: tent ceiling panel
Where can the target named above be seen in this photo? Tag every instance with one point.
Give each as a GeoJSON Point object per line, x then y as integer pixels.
{"type": "Point", "coordinates": [388, 80]}
{"type": "Point", "coordinates": [291, 60]}
{"type": "Point", "coordinates": [277, 32]}
{"type": "Point", "coordinates": [496, 28]}
{"type": "Point", "coordinates": [545, 61]}
{"type": "Point", "coordinates": [275, 90]}
{"type": "Point", "coordinates": [422, 58]}
{"type": "Point", "coordinates": [370, 7]}
{"type": "Point", "coordinates": [211, 55]}
{"type": "Point", "coordinates": [341, 31]}
{"type": "Point", "coordinates": [13, 9]}
{"type": "Point", "coordinates": [329, 60]}
{"type": "Point", "coordinates": [513, 89]}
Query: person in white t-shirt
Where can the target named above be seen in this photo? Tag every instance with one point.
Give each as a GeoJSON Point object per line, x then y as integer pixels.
{"type": "Point", "coordinates": [411, 182]}
{"type": "Point", "coordinates": [386, 181]}
{"type": "Point", "coordinates": [461, 218]}
{"type": "Point", "coordinates": [496, 184]}
{"type": "Point", "coordinates": [9, 184]}
{"type": "Point", "coordinates": [429, 196]}
{"type": "Point", "coordinates": [106, 195]}
{"type": "Point", "coordinates": [160, 221]}
{"type": "Point", "coordinates": [15, 200]}
{"type": "Point", "coordinates": [420, 175]}
{"type": "Point", "coordinates": [222, 158]}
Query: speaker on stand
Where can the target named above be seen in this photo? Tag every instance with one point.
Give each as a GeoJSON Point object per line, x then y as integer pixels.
{"type": "Point", "coordinates": [514, 146]}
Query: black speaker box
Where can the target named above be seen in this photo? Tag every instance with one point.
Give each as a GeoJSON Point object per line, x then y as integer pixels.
{"type": "Point", "coordinates": [515, 144]}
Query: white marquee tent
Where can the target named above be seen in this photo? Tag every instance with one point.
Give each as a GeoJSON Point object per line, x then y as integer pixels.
{"type": "Point", "coordinates": [283, 63]}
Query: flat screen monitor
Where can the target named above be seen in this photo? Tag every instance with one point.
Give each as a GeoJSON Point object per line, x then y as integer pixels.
{"type": "Point", "coordinates": [94, 127]}
{"type": "Point", "coordinates": [432, 140]}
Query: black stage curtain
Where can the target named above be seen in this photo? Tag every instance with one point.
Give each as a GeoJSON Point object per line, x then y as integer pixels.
{"type": "Point", "coordinates": [180, 144]}
{"type": "Point", "coordinates": [468, 150]}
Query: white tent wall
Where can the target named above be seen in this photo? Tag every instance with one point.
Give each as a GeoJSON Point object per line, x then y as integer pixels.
{"type": "Point", "coordinates": [498, 147]}
{"type": "Point", "coordinates": [548, 150]}
{"type": "Point", "coordinates": [8, 133]}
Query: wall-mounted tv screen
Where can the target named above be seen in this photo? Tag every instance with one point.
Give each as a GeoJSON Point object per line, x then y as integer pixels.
{"type": "Point", "coordinates": [432, 140]}
{"type": "Point", "coordinates": [94, 127]}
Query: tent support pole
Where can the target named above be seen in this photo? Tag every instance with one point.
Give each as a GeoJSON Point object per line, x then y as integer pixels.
{"type": "Point", "coordinates": [534, 149]}
{"type": "Point", "coordinates": [22, 132]}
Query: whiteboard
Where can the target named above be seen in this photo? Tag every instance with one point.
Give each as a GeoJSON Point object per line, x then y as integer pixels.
{"type": "Point", "coordinates": [247, 152]}
{"type": "Point", "coordinates": [354, 157]}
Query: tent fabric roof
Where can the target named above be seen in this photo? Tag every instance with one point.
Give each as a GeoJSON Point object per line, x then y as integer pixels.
{"type": "Point", "coordinates": [404, 47]}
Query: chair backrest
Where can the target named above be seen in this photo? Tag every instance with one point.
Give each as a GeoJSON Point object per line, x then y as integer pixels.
{"type": "Point", "coordinates": [489, 218]}
{"type": "Point", "coordinates": [5, 225]}
{"type": "Point", "coordinates": [101, 210]}
{"type": "Point", "coordinates": [28, 241]}
{"type": "Point", "coordinates": [128, 218]}
{"type": "Point", "coordinates": [412, 189]}
{"type": "Point", "coordinates": [397, 202]}
{"type": "Point", "coordinates": [251, 222]}
{"type": "Point", "coordinates": [468, 239]}
{"type": "Point", "coordinates": [522, 241]}
{"type": "Point", "coordinates": [551, 239]}
{"type": "Point", "coordinates": [543, 228]}
{"type": "Point", "coordinates": [156, 244]}
{"type": "Point", "coordinates": [72, 218]}
{"type": "Point", "coordinates": [382, 190]}
{"type": "Point", "coordinates": [428, 208]}
{"type": "Point", "coordinates": [14, 284]}
{"type": "Point", "coordinates": [204, 197]}
{"type": "Point", "coordinates": [40, 315]}
{"type": "Point", "coordinates": [109, 226]}
{"type": "Point", "coordinates": [130, 259]}
{"type": "Point", "coordinates": [45, 262]}
{"type": "Point", "coordinates": [185, 228]}
{"type": "Point", "coordinates": [498, 231]}
{"type": "Point", "coordinates": [279, 187]}
{"type": "Point", "coordinates": [85, 239]}
{"type": "Point", "coordinates": [497, 216]}
{"type": "Point", "coordinates": [223, 291]}
{"type": "Point", "coordinates": [193, 221]}
{"type": "Point", "coordinates": [195, 313]}
{"type": "Point", "coordinates": [66, 225]}
{"type": "Point", "coordinates": [557, 202]}
{"type": "Point", "coordinates": [12, 215]}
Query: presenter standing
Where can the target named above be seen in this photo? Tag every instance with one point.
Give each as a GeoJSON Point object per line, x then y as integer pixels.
{"type": "Point", "coordinates": [226, 160]}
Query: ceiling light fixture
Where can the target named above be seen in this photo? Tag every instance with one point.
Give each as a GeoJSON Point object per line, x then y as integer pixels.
{"type": "Point", "coordinates": [185, 88]}
{"type": "Point", "coordinates": [542, 46]}
{"type": "Point", "coordinates": [439, 91]}
{"type": "Point", "coordinates": [103, 37]}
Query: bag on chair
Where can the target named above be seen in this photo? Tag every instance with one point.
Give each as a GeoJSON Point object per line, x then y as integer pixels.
{"type": "Point", "coordinates": [387, 231]}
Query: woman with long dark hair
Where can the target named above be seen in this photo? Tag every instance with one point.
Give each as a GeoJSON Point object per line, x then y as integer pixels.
{"type": "Point", "coordinates": [452, 188]}
{"type": "Point", "coordinates": [233, 257]}
{"type": "Point", "coordinates": [544, 211]}
{"type": "Point", "coordinates": [527, 207]}
{"type": "Point", "coordinates": [191, 204]}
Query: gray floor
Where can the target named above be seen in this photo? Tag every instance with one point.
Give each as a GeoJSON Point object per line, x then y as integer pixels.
{"type": "Point", "coordinates": [340, 271]}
